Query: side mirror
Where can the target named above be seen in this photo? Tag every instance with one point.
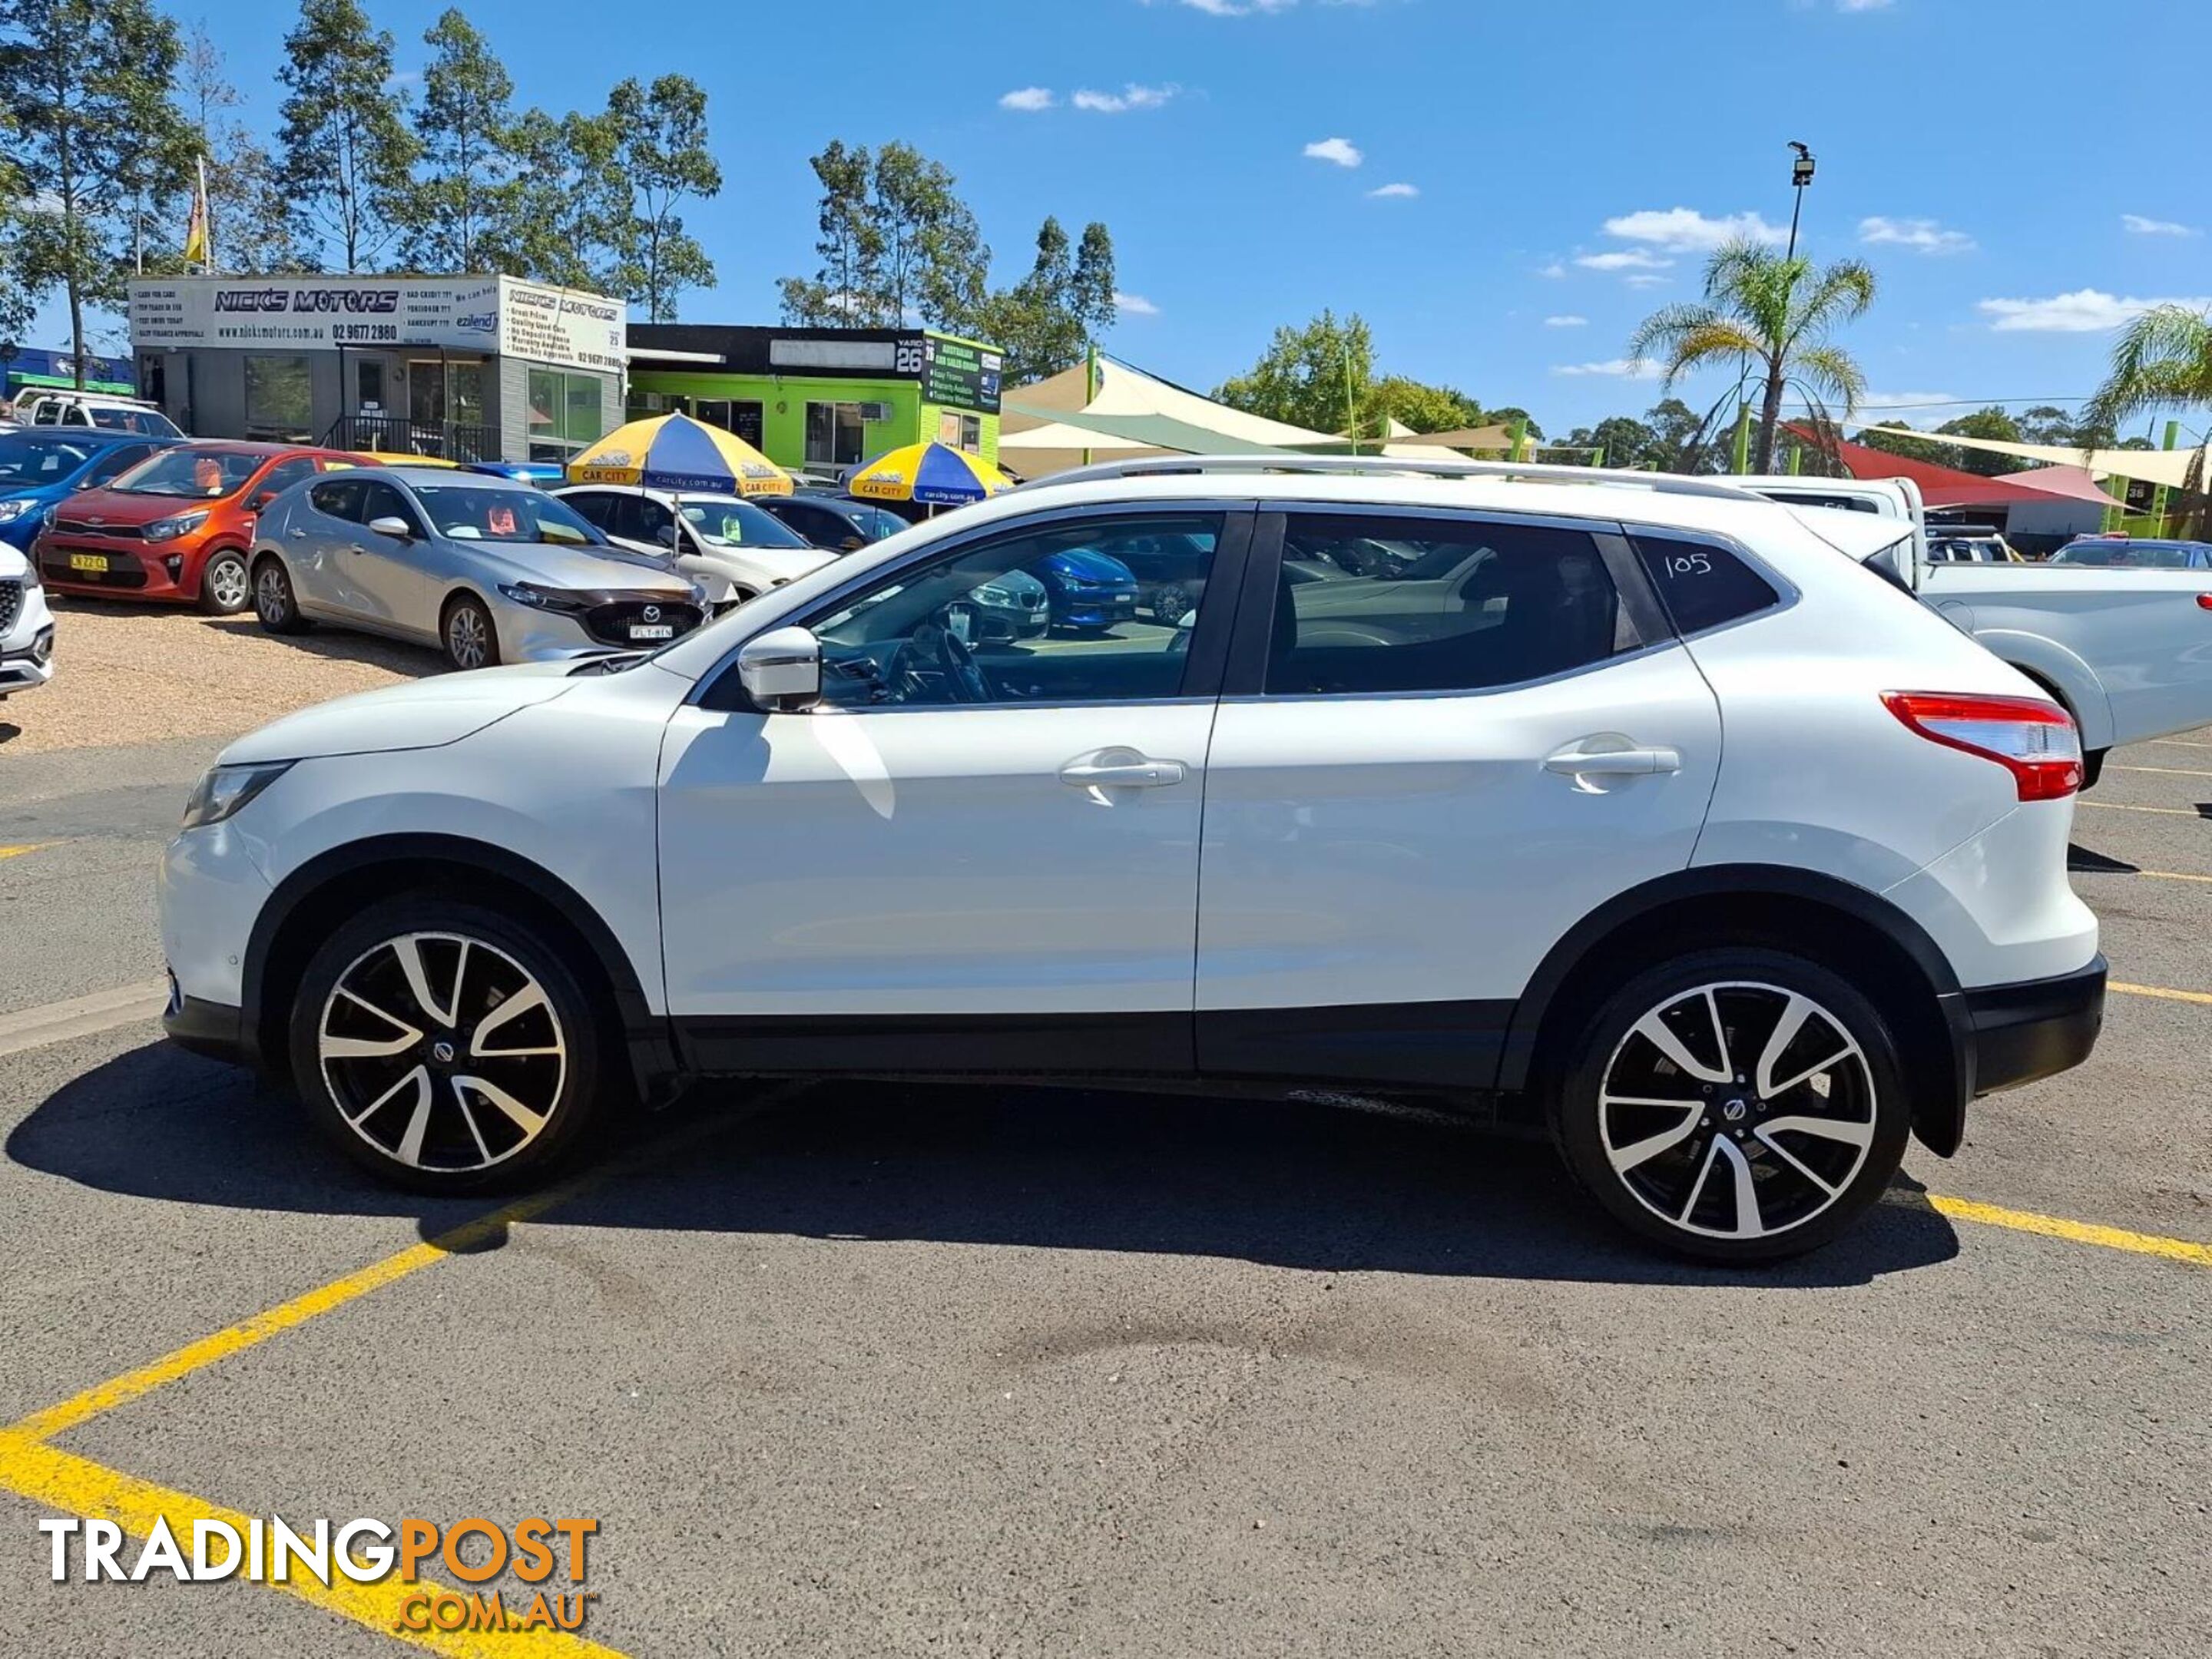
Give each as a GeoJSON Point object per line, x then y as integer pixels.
{"type": "Point", "coordinates": [781, 670]}
{"type": "Point", "coordinates": [392, 526]}
{"type": "Point", "coordinates": [263, 499]}
{"type": "Point", "coordinates": [851, 545]}
{"type": "Point", "coordinates": [665, 535]}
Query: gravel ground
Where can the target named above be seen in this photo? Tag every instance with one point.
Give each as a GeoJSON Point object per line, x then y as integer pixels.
{"type": "Point", "coordinates": [139, 674]}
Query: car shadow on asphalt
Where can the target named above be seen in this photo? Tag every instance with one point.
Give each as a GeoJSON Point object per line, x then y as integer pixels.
{"type": "Point", "coordinates": [1290, 1185]}
{"type": "Point", "coordinates": [341, 646]}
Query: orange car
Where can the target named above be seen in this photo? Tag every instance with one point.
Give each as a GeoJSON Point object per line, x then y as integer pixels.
{"type": "Point", "coordinates": [177, 526]}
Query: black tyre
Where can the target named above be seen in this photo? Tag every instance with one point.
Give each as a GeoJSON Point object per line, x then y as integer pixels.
{"type": "Point", "coordinates": [446, 1047]}
{"type": "Point", "coordinates": [225, 588]}
{"type": "Point", "coordinates": [1171, 604]}
{"type": "Point", "coordinates": [471, 640]}
{"type": "Point", "coordinates": [274, 604]}
{"type": "Point", "coordinates": [1736, 1105]}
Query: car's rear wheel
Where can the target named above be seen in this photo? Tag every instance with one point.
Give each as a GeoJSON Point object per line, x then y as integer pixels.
{"type": "Point", "coordinates": [471, 640]}
{"type": "Point", "coordinates": [1736, 1105]}
{"type": "Point", "coordinates": [445, 1047]}
{"type": "Point", "coordinates": [225, 588]}
{"type": "Point", "coordinates": [274, 602]}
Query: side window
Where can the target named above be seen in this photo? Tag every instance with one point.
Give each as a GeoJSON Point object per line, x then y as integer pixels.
{"type": "Point", "coordinates": [337, 498]}
{"type": "Point", "coordinates": [652, 518]}
{"type": "Point", "coordinates": [114, 464]}
{"type": "Point", "coordinates": [1703, 584]}
{"type": "Point", "coordinates": [1400, 604]}
{"type": "Point", "coordinates": [381, 499]}
{"type": "Point", "coordinates": [74, 415]}
{"type": "Point", "coordinates": [46, 413]}
{"type": "Point", "coordinates": [592, 507]}
{"type": "Point", "coordinates": [283, 476]}
{"type": "Point", "coordinates": [1049, 615]}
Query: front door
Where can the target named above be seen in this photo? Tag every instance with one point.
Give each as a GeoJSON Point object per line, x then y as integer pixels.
{"type": "Point", "coordinates": [1445, 740]}
{"type": "Point", "coordinates": [389, 571]}
{"type": "Point", "coordinates": [979, 852]}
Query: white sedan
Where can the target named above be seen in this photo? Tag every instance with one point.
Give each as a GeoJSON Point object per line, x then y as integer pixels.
{"type": "Point", "coordinates": [730, 547]}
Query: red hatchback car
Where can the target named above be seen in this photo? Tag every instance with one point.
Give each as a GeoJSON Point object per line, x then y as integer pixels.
{"type": "Point", "coordinates": [177, 526]}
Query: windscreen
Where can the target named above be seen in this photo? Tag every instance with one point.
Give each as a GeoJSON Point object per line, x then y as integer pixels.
{"type": "Point", "coordinates": [29, 459]}
{"type": "Point", "coordinates": [472, 514]}
{"type": "Point", "coordinates": [721, 521]}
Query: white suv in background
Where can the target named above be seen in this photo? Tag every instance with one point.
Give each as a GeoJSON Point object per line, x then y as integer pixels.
{"type": "Point", "coordinates": [1644, 816]}
{"type": "Point", "coordinates": [27, 627]}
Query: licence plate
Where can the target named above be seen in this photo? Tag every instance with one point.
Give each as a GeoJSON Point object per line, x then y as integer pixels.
{"type": "Point", "coordinates": [94, 562]}
{"type": "Point", "coordinates": [653, 631]}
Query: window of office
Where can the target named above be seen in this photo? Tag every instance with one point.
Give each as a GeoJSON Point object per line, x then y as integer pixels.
{"type": "Point", "coordinates": [566, 413]}
{"type": "Point", "coordinates": [960, 431]}
{"type": "Point", "coordinates": [1405, 603]}
{"type": "Point", "coordinates": [834, 434]}
{"type": "Point", "coordinates": [279, 397]}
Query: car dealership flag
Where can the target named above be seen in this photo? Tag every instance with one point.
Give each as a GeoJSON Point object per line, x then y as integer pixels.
{"type": "Point", "coordinates": [196, 228]}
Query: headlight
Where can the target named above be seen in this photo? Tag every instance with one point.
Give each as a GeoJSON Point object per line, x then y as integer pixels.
{"type": "Point", "coordinates": [222, 790]}
{"type": "Point", "coordinates": [167, 530]}
{"type": "Point", "coordinates": [11, 511]}
{"type": "Point", "coordinates": [991, 593]}
{"type": "Point", "coordinates": [546, 598]}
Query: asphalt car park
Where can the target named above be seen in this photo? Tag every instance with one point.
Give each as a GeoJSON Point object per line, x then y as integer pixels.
{"type": "Point", "coordinates": [883, 1368]}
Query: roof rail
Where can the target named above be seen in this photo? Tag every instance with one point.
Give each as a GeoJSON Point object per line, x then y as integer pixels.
{"type": "Point", "coordinates": [1159, 467]}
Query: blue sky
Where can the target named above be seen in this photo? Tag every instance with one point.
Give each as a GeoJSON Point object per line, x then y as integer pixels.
{"type": "Point", "coordinates": [1502, 190]}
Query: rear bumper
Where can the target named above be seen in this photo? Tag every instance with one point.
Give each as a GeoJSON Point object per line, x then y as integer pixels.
{"type": "Point", "coordinates": [2016, 1034]}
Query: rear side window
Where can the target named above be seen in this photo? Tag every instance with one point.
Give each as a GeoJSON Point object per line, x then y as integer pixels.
{"type": "Point", "coordinates": [1702, 584]}
{"type": "Point", "coordinates": [1396, 603]}
{"type": "Point", "coordinates": [337, 498]}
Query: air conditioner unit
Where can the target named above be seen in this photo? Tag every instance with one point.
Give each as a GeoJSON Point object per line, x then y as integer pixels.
{"type": "Point", "coordinates": [875, 412]}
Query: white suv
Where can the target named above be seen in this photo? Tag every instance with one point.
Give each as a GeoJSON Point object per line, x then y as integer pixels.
{"type": "Point", "coordinates": [27, 627]}
{"type": "Point", "coordinates": [1626, 808]}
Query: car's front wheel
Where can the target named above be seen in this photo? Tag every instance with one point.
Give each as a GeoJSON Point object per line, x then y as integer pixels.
{"type": "Point", "coordinates": [224, 586]}
{"type": "Point", "coordinates": [1736, 1105]}
{"type": "Point", "coordinates": [471, 640]}
{"type": "Point", "coordinates": [445, 1046]}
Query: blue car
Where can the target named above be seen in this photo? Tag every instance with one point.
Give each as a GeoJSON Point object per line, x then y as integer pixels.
{"type": "Point", "coordinates": [1088, 591]}
{"type": "Point", "coordinates": [40, 468]}
{"type": "Point", "coordinates": [544, 474]}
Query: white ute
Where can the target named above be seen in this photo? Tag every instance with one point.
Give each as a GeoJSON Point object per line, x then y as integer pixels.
{"type": "Point", "coordinates": [2128, 653]}
{"type": "Point", "coordinates": [1639, 817]}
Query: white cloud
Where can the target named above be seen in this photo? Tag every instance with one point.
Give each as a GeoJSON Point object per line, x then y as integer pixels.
{"type": "Point", "coordinates": [1394, 192]}
{"type": "Point", "coordinates": [1342, 151]}
{"type": "Point", "coordinates": [1236, 7]}
{"type": "Point", "coordinates": [1863, 5]}
{"type": "Point", "coordinates": [1027, 98]}
{"type": "Point", "coordinates": [2137, 225]}
{"type": "Point", "coordinates": [1643, 279]}
{"type": "Point", "coordinates": [1625, 258]}
{"type": "Point", "coordinates": [1566, 322]}
{"type": "Point", "coordinates": [2085, 311]}
{"type": "Point", "coordinates": [1618, 369]}
{"type": "Point", "coordinates": [1923, 234]}
{"type": "Point", "coordinates": [1134, 305]}
{"type": "Point", "coordinates": [1685, 230]}
{"type": "Point", "coordinates": [406, 78]}
{"type": "Point", "coordinates": [1554, 269]}
{"type": "Point", "coordinates": [1875, 400]}
{"type": "Point", "coordinates": [1131, 96]}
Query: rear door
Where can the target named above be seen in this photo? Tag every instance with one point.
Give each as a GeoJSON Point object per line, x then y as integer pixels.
{"type": "Point", "coordinates": [1423, 775]}
{"type": "Point", "coordinates": [322, 538]}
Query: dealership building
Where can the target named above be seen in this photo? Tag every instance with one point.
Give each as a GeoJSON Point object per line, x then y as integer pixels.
{"type": "Point", "coordinates": [472, 368]}
{"type": "Point", "coordinates": [821, 398]}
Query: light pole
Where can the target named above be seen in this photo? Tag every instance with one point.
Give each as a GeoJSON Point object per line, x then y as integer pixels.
{"type": "Point", "coordinates": [1801, 174]}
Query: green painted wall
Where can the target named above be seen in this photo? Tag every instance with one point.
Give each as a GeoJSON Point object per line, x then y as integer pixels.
{"type": "Point", "coordinates": [783, 399]}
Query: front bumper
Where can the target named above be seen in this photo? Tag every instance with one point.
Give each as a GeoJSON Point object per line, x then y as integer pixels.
{"type": "Point", "coordinates": [213, 1029]}
{"type": "Point", "coordinates": [2016, 1034]}
{"type": "Point", "coordinates": [134, 568]}
{"type": "Point", "coordinates": [30, 667]}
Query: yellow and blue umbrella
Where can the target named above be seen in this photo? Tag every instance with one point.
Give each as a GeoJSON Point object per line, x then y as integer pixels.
{"type": "Point", "coordinates": [936, 474]}
{"type": "Point", "coordinates": [674, 451]}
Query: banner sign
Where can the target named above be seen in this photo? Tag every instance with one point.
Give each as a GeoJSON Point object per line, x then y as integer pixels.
{"type": "Point", "coordinates": [956, 373]}
{"type": "Point", "coordinates": [487, 314]}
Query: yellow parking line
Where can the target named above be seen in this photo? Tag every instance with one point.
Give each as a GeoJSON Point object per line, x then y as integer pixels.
{"type": "Point", "coordinates": [56, 1480]}
{"type": "Point", "coordinates": [18, 850]}
{"type": "Point", "coordinates": [2169, 995]}
{"type": "Point", "coordinates": [2164, 771]}
{"type": "Point", "coordinates": [106, 1396]}
{"type": "Point", "coordinates": [2121, 806]}
{"type": "Point", "coordinates": [2073, 1232]}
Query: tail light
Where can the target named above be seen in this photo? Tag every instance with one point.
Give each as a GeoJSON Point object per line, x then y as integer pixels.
{"type": "Point", "coordinates": [2204, 601]}
{"type": "Point", "coordinates": [2034, 740]}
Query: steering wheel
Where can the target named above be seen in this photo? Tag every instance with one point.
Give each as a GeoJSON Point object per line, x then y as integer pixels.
{"type": "Point", "coordinates": [935, 650]}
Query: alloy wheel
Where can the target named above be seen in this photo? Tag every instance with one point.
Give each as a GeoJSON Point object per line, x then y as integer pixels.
{"type": "Point", "coordinates": [226, 581]}
{"type": "Point", "coordinates": [272, 597]}
{"type": "Point", "coordinates": [1737, 1109]}
{"type": "Point", "coordinates": [442, 1051]}
{"type": "Point", "coordinates": [467, 637]}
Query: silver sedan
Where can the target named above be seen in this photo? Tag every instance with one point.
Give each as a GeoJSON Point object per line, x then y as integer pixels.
{"type": "Point", "coordinates": [488, 570]}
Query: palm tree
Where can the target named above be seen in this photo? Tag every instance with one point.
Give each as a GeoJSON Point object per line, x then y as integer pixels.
{"type": "Point", "coordinates": [2163, 361]}
{"type": "Point", "coordinates": [1770, 316]}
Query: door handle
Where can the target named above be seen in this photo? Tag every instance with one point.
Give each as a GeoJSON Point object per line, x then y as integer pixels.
{"type": "Point", "coordinates": [298, 535]}
{"type": "Point", "coordinates": [1575, 761]}
{"type": "Point", "coordinates": [1136, 772]}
